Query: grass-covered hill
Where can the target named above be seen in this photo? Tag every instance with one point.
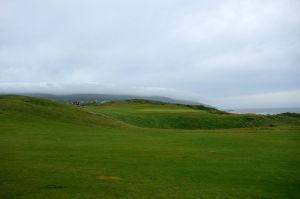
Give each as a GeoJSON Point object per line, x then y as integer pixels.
{"type": "Point", "coordinates": [136, 112]}
{"type": "Point", "coordinates": [54, 150]}
{"type": "Point", "coordinates": [154, 114]}
{"type": "Point", "coordinates": [22, 109]}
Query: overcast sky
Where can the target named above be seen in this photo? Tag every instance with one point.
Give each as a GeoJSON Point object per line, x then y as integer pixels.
{"type": "Point", "coordinates": [227, 53]}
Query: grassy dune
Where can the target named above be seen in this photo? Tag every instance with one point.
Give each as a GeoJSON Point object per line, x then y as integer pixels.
{"type": "Point", "coordinates": [53, 150]}
{"type": "Point", "coordinates": [151, 114]}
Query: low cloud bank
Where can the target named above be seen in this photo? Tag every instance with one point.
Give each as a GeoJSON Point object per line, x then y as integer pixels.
{"type": "Point", "coordinates": [260, 100]}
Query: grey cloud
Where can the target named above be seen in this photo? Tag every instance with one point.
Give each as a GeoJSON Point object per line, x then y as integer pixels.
{"type": "Point", "coordinates": [203, 50]}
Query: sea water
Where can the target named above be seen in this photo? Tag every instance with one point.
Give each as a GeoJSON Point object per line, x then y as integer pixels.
{"type": "Point", "coordinates": [265, 111]}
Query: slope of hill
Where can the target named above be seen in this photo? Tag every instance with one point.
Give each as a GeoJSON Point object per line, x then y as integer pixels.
{"type": "Point", "coordinates": [22, 109]}
{"type": "Point", "coordinates": [153, 114]}
{"type": "Point", "coordinates": [140, 113]}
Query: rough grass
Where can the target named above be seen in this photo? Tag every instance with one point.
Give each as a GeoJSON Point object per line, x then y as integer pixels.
{"type": "Point", "coordinates": [75, 155]}
{"type": "Point", "coordinates": [162, 115]}
{"type": "Point", "coordinates": [23, 109]}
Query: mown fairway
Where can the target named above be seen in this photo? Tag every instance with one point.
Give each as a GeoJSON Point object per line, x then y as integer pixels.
{"type": "Point", "coordinates": [51, 150]}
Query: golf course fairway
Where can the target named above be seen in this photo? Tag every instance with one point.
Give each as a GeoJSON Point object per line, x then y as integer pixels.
{"type": "Point", "coordinates": [144, 149]}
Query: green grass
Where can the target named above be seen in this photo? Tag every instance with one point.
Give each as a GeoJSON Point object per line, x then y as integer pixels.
{"type": "Point", "coordinates": [51, 150]}
{"type": "Point", "coordinates": [162, 115]}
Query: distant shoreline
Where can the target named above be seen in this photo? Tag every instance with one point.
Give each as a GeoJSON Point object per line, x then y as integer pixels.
{"type": "Point", "coordinates": [264, 111]}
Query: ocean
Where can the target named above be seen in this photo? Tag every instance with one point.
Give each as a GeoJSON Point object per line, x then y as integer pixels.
{"type": "Point", "coordinates": [265, 111]}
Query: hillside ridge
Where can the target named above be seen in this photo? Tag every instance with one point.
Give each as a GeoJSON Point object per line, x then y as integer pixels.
{"type": "Point", "coordinates": [133, 113]}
